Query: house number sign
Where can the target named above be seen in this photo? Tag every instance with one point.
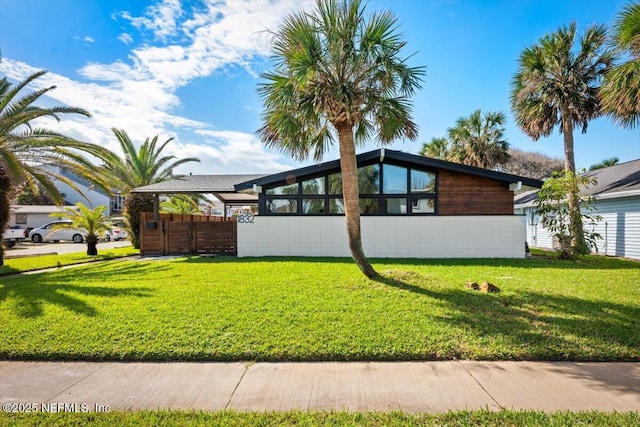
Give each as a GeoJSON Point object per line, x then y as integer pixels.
{"type": "Point", "coordinates": [246, 219]}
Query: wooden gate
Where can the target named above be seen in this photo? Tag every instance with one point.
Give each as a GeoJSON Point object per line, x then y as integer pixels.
{"type": "Point", "coordinates": [187, 234]}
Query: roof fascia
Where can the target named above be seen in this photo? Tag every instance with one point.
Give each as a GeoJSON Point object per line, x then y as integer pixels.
{"type": "Point", "coordinates": [398, 156]}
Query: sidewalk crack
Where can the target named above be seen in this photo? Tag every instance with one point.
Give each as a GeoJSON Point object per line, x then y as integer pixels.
{"type": "Point", "coordinates": [481, 386]}
{"type": "Point", "coordinates": [246, 369]}
{"type": "Point", "coordinates": [100, 367]}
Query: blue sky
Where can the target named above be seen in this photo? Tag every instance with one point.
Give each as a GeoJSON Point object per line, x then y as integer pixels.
{"type": "Point", "coordinates": [190, 69]}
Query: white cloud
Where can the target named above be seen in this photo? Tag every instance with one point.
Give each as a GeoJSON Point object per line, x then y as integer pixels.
{"type": "Point", "coordinates": [89, 39]}
{"type": "Point", "coordinates": [138, 93]}
{"type": "Point", "coordinates": [125, 38]}
{"type": "Point", "coordinates": [160, 19]}
{"type": "Point", "coordinates": [231, 152]}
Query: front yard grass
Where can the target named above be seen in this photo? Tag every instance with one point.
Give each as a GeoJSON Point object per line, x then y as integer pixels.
{"type": "Point", "coordinates": [368, 419]}
{"type": "Point", "coordinates": [39, 262]}
{"type": "Point", "coordinates": [279, 309]}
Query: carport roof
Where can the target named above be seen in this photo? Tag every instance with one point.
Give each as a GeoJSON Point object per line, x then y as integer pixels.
{"type": "Point", "coordinates": [221, 186]}
{"type": "Point", "coordinates": [196, 184]}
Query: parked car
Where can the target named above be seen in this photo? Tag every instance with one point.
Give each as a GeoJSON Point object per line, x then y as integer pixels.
{"type": "Point", "coordinates": [13, 235]}
{"type": "Point", "coordinates": [117, 232]}
{"type": "Point", "coordinates": [58, 230]}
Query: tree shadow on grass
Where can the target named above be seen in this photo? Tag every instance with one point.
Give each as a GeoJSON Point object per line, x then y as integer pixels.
{"type": "Point", "coordinates": [545, 326]}
{"type": "Point", "coordinates": [593, 262]}
{"type": "Point", "coordinates": [539, 326]}
{"type": "Point", "coordinates": [27, 295]}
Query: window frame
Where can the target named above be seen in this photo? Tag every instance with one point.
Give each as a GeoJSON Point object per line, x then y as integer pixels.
{"type": "Point", "coordinates": [380, 196]}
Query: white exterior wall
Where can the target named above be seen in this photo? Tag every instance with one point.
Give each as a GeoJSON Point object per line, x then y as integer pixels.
{"type": "Point", "coordinates": [36, 215]}
{"type": "Point", "coordinates": [619, 228]}
{"type": "Point", "coordinates": [385, 236]}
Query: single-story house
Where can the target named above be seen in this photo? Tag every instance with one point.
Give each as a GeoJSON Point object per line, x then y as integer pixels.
{"type": "Point", "coordinates": [31, 216]}
{"type": "Point", "coordinates": [617, 195]}
{"type": "Point", "coordinates": [411, 206]}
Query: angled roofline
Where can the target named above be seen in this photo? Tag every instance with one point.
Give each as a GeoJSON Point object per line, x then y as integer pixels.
{"type": "Point", "coordinates": [399, 156]}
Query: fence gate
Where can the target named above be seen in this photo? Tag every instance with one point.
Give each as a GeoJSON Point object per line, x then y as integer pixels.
{"type": "Point", "coordinates": [187, 234]}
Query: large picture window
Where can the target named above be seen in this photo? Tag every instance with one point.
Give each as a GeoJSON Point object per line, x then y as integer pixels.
{"type": "Point", "coordinates": [385, 189]}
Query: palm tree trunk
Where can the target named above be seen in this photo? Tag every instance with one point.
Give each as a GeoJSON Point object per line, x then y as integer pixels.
{"type": "Point", "coordinates": [92, 245]}
{"type": "Point", "coordinates": [575, 216]}
{"type": "Point", "coordinates": [5, 188]}
{"type": "Point", "coordinates": [351, 194]}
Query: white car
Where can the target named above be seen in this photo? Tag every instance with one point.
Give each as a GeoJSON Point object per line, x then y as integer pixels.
{"type": "Point", "coordinates": [57, 230]}
{"type": "Point", "coordinates": [117, 231]}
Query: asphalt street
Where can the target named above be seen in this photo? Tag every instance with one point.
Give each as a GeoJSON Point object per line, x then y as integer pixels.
{"type": "Point", "coordinates": [28, 248]}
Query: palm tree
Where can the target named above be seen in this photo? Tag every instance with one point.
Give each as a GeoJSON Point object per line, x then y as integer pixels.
{"type": "Point", "coordinates": [338, 75]}
{"type": "Point", "coordinates": [557, 85]}
{"type": "Point", "coordinates": [612, 161]}
{"type": "Point", "coordinates": [478, 140]}
{"type": "Point", "coordinates": [621, 89]}
{"type": "Point", "coordinates": [138, 168]}
{"type": "Point", "coordinates": [438, 148]}
{"type": "Point", "coordinates": [184, 205]}
{"type": "Point", "coordinates": [25, 148]}
{"type": "Point", "coordinates": [93, 221]}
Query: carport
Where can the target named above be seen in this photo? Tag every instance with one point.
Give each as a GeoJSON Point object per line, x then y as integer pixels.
{"type": "Point", "coordinates": [166, 234]}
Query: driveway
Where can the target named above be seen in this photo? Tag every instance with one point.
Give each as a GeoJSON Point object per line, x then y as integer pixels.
{"type": "Point", "coordinates": [29, 248]}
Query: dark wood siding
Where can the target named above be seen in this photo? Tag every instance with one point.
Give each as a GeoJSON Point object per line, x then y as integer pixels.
{"type": "Point", "coordinates": [461, 194]}
{"type": "Point", "coordinates": [187, 234]}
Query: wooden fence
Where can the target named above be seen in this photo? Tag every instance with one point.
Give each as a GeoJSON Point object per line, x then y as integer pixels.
{"type": "Point", "coordinates": [187, 234]}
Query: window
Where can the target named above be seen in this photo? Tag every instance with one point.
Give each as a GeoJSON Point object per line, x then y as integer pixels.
{"type": "Point", "coordinates": [117, 203]}
{"type": "Point", "coordinates": [394, 180]}
{"type": "Point", "coordinates": [395, 205]}
{"type": "Point", "coordinates": [422, 205]}
{"type": "Point", "coordinates": [21, 218]}
{"type": "Point", "coordinates": [385, 189]}
{"type": "Point", "coordinates": [423, 182]}
{"type": "Point", "coordinates": [368, 206]}
{"type": "Point", "coordinates": [313, 186]}
{"type": "Point", "coordinates": [282, 206]}
{"type": "Point", "coordinates": [369, 179]}
{"type": "Point", "coordinates": [336, 206]}
{"type": "Point", "coordinates": [313, 206]}
{"type": "Point", "coordinates": [287, 189]}
{"type": "Point", "coordinates": [335, 183]}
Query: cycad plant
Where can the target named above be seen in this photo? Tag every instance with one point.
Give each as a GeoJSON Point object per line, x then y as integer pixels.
{"type": "Point", "coordinates": [94, 221]}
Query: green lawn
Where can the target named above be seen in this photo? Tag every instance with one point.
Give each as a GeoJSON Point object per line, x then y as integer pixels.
{"type": "Point", "coordinates": [17, 265]}
{"type": "Point", "coordinates": [324, 309]}
{"type": "Point", "coordinates": [458, 418]}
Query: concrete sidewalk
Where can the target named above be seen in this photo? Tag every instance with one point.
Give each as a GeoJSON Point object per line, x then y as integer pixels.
{"type": "Point", "coordinates": [358, 386]}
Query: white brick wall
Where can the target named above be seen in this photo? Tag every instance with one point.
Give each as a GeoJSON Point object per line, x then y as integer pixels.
{"type": "Point", "coordinates": [386, 237]}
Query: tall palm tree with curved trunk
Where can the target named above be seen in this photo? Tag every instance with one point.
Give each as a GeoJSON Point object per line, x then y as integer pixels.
{"type": "Point", "coordinates": [27, 148]}
{"type": "Point", "coordinates": [139, 167]}
{"type": "Point", "coordinates": [557, 84]}
{"type": "Point", "coordinates": [621, 89]}
{"type": "Point", "coordinates": [478, 140]}
{"type": "Point", "coordinates": [338, 75]}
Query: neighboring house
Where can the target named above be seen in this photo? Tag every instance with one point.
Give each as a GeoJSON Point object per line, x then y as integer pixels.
{"type": "Point", "coordinates": [31, 216]}
{"type": "Point", "coordinates": [617, 194]}
{"type": "Point", "coordinates": [412, 206]}
{"type": "Point", "coordinates": [91, 196]}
